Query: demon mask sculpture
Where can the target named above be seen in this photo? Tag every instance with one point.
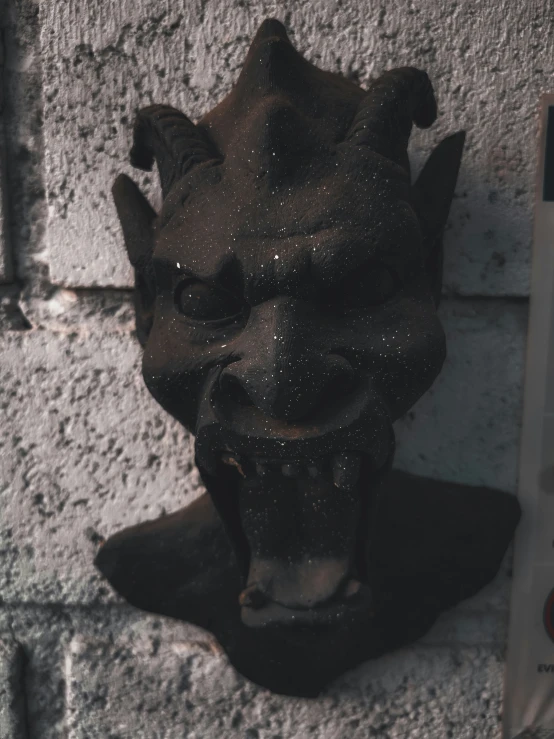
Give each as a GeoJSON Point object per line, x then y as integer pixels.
{"type": "Point", "coordinates": [286, 299]}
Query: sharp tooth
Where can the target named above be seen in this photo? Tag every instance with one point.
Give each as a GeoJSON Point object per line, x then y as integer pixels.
{"type": "Point", "coordinates": [290, 470]}
{"type": "Point", "coordinates": [233, 462]}
{"type": "Point", "coordinates": [346, 470]}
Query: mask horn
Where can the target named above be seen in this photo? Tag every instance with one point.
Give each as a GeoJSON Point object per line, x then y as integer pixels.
{"type": "Point", "coordinates": [384, 118]}
{"type": "Point", "coordinates": [165, 135]}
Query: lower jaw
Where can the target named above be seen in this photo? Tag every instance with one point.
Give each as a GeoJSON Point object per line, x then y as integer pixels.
{"type": "Point", "coordinates": [235, 473]}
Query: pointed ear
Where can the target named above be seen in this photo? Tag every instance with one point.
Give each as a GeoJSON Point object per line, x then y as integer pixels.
{"type": "Point", "coordinates": [137, 217]}
{"type": "Point", "coordinates": [433, 193]}
{"type": "Point", "coordinates": [434, 188]}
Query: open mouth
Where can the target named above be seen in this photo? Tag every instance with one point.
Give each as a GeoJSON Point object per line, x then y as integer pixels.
{"type": "Point", "coordinates": [301, 527]}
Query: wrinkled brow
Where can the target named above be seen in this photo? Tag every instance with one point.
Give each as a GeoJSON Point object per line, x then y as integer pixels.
{"type": "Point", "coordinates": [226, 272]}
{"type": "Point", "coordinates": [258, 268]}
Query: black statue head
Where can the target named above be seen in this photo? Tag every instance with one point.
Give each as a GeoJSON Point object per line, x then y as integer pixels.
{"type": "Point", "coordinates": [286, 299]}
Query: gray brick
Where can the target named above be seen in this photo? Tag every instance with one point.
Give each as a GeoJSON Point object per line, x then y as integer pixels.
{"type": "Point", "coordinates": [466, 427]}
{"type": "Point", "coordinates": [12, 702]}
{"type": "Point", "coordinates": [188, 689]}
{"type": "Point", "coordinates": [5, 260]}
{"type": "Point", "coordinates": [24, 141]}
{"type": "Point", "coordinates": [101, 60]}
{"type": "Point", "coordinates": [84, 449]}
{"type": "Point", "coordinates": [45, 633]}
{"type": "Point", "coordinates": [6, 273]}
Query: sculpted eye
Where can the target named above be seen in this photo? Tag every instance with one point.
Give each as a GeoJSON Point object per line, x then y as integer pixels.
{"type": "Point", "coordinates": [375, 285]}
{"type": "Point", "coordinates": [197, 300]}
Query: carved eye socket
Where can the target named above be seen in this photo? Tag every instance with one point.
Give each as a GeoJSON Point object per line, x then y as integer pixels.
{"type": "Point", "coordinates": [375, 285]}
{"type": "Point", "coordinates": [195, 299]}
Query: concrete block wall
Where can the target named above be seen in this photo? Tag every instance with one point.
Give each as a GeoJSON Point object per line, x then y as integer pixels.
{"type": "Point", "coordinates": [5, 261]}
{"type": "Point", "coordinates": [85, 451]}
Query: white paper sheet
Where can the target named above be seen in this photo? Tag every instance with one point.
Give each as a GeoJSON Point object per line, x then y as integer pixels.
{"type": "Point", "coordinates": [529, 684]}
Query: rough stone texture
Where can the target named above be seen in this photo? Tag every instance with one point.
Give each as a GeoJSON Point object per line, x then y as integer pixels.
{"type": "Point", "coordinates": [47, 633]}
{"type": "Point", "coordinates": [12, 713]}
{"type": "Point", "coordinates": [85, 451]}
{"type": "Point", "coordinates": [103, 60]}
{"type": "Point", "coordinates": [189, 690]}
{"type": "Point", "coordinates": [23, 120]}
{"type": "Point", "coordinates": [466, 427]}
{"type": "Point", "coordinates": [5, 261]}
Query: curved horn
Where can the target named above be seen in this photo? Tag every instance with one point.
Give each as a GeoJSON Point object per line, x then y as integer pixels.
{"type": "Point", "coordinates": [166, 135]}
{"type": "Point", "coordinates": [394, 101]}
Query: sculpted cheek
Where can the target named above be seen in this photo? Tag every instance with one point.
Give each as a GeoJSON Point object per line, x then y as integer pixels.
{"type": "Point", "coordinates": [176, 362]}
{"type": "Point", "coordinates": [170, 378]}
{"type": "Point", "coordinates": [400, 348]}
{"type": "Point", "coordinates": [411, 365]}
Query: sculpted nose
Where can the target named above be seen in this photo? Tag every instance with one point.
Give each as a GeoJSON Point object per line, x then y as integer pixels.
{"type": "Point", "coordinates": [290, 389]}
{"type": "Point", "coordinates": [282, 370]}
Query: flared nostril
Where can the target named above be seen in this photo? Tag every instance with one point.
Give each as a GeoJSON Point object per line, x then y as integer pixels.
{"type": "Point", "coordinates": [232, 387]}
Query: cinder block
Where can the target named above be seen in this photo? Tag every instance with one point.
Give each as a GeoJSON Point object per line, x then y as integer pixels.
{"type": "Point", "coordinates": [12, 703]}
{"type": "Point", "coordinates": [190, 690]}
{"type": "Point", "coordinates": [101, 60]}
{"type": "Point", "coordinates": [6, 273]}
{"type": "Point", "coordinates": [466, 427]}
{"type": "Point", "coordinates": [5, 260]}
{"type": "Point", "coordinates": [45, 633]}
{"type": "Point", "coordinates": [85, 450]}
